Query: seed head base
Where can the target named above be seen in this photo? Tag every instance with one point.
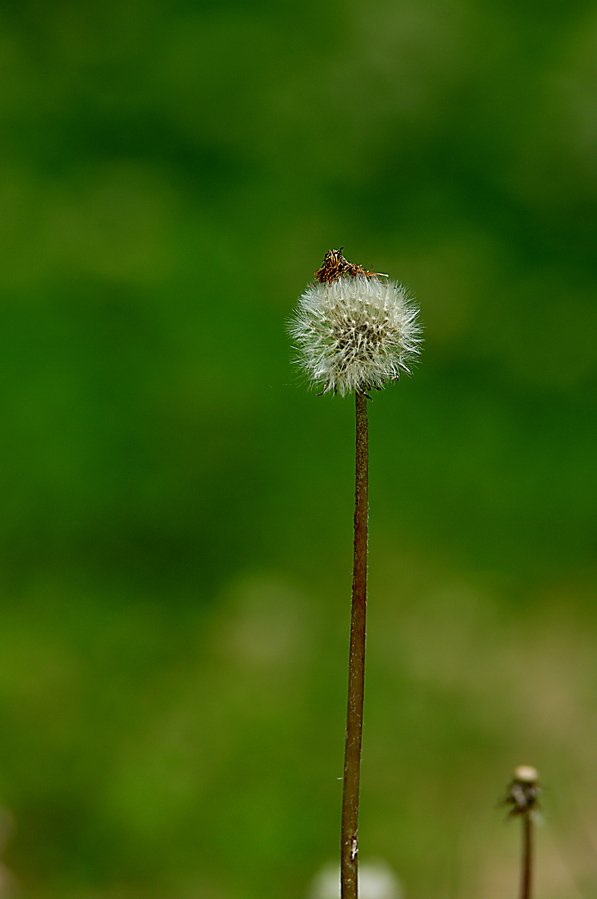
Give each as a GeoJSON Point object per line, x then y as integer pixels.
{"type": "Point", "coordinates": [523, 792]}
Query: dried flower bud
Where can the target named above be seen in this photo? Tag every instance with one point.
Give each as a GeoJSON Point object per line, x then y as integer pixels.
{"type": "Point", "coordinates": [354, 332]}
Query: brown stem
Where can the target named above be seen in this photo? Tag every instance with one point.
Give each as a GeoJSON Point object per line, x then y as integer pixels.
{"type": "Point", "coordinates": [356, 664]}
{"type": "Point", "coordinates": [527, 856]}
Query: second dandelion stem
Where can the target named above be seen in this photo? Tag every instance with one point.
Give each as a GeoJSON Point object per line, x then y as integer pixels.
{"type": "Point", "coordinates": [356, 664]}
{"type": "Point", "coordinates": [527, 855]}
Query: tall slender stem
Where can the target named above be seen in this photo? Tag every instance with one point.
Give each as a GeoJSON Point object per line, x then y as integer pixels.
{"type": "Point", "coordinates": [356, 664]}
{"type": "Point", "coordinates": [527, 856]}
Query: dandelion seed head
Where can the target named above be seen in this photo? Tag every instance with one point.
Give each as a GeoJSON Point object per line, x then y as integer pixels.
{"type": "Point", "coordinates": [526, 774]}
{"type": "Point", "coordinates": [355, 333]}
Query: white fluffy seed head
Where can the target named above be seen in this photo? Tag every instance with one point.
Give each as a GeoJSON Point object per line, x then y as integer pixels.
{"type": "Point", "coordinates": [526, 774]}
{"type": "Point", "coordinates": [355, 333]}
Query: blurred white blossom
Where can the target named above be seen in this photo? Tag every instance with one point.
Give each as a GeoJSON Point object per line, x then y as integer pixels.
{"type": "Point", "coordinates": [376, 881]}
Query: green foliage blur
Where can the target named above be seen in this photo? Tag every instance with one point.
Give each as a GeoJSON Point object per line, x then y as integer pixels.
{"type": "Point", "coordinates": [176, 518]}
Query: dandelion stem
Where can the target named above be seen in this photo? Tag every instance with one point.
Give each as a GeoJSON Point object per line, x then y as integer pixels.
{"type": "Point", "coordinates": [523, 795]}
{"type": "Point", "coordinates": [356, 664]}
{"type": "Point", "coordinates": [527, 856]}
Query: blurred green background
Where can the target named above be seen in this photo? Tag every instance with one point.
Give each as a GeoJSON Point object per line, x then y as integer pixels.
{"type": "Point", "coordinates": [176, 541]}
